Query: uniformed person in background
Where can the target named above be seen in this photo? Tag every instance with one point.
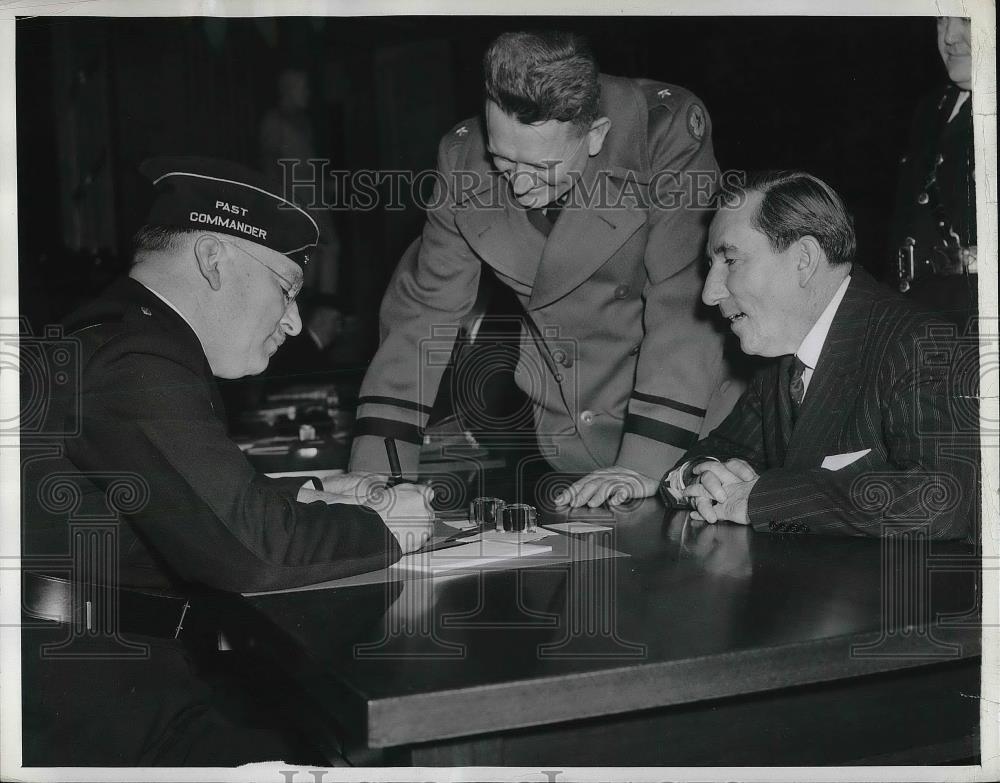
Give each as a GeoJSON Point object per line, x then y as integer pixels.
{"type": "Point", "coordinates": [287, 145]}
{"type": "Point", "coordinates": [934, 228]}
{"type": "Point", "coordinates": [211, 293]}
{"type": "Point", "coordinates": [588, 195]}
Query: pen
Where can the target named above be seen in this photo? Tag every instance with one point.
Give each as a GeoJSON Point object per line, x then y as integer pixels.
{"type": "Point", "coordinates": [393, 455]}
{"type": "Point", "coordinates": [447, 543]}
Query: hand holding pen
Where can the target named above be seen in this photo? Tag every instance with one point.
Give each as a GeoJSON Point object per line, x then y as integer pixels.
{"type": "Point", "coordinates": [395, 478]}
{"type": "Point", "coordinates": [395, 470]}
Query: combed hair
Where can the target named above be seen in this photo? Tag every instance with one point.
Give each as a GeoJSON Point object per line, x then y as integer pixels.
{"type": "Point", "coordinates": [155, 239]}
{"type": "Point", "coordinates": [796, 204]}
{"type": "Point", "coordinates": [540, 76]}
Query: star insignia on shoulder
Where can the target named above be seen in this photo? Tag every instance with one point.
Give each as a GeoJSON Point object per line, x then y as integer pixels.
{"type": "Point", "coordinates": [663, 93]}
{"type": "Point", "coordinates": [462, 131]}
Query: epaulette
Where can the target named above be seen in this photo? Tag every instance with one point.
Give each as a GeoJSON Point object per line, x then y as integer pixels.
{"type": "Point", "coordinates": [460, 132]}
{"type": "Point", "coordinates": [661, 94]}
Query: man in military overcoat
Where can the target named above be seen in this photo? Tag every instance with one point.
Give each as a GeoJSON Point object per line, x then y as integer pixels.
{"type": "Point", "coordinates": [589, 196]}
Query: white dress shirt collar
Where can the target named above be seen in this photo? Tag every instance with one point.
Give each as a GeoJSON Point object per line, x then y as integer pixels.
{"type": "Point", "coordinates": [963, 96]}
{"type": "Point", "coordinates": [812, 345]}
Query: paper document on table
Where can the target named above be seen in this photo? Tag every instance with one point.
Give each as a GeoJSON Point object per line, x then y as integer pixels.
{"type": "Point", "coordinates": [523, 537]}
{"type": "Point", "coordinates": [577, 527]}
{"type": "Point", "coordinates": [458, 523]}
{"type": "Point", "coordinates": [322, 475]}
{"type": "Point", "coordinates": [468, 556]}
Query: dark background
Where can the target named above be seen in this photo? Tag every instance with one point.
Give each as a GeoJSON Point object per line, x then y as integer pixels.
{"type": "Point", "coordinates": [833, 96]}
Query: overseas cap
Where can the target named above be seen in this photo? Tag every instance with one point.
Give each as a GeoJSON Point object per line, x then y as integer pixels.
{"type": "Point", "coordinates": [225, 197]}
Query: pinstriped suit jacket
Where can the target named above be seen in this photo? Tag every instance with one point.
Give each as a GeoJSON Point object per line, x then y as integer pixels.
{"type": "Point", "coordinates": [890, 378]}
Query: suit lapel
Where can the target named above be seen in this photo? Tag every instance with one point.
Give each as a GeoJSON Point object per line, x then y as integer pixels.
{"type": "Point", "coordinates": [785, 424]}
{"type": "Point", "coordinates": [828, 400]}
{"type": "Point", "coordinates": [773, 414]}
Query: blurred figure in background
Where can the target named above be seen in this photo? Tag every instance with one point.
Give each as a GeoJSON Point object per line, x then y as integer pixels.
{"type": "Point", "coordinates": [934, 229]}
{"type": "Point", "coordinates": [286, 134]}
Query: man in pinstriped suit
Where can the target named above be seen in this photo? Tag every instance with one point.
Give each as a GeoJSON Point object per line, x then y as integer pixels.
{"type": "Point", "coordinates": [861, 420]}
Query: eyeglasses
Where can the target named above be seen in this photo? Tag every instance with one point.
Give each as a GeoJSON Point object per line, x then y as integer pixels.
{"type": "Point", "coordinates": [289, 289]}
{"type": "Point", "coordinates": [541, 171]}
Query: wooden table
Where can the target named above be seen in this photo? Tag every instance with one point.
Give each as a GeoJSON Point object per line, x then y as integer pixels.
{"type": "Point", "coordinates": [699, 645]}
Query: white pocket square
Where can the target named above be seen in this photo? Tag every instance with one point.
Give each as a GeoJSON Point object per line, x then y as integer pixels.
{"type": "Point", "coordinates": [838, 461]}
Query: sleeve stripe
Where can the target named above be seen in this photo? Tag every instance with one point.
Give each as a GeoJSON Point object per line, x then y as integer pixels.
{"type": "Point", "coordinates": [658, 430]}
{"type": "Point", "coordinates": [392, 413]}
{"type": "Point", "coordinates": [387, 428]}
{"type": "Point", "coordinates": [667, 403]}
{"type": "Point", "coordinates": [407, 404]}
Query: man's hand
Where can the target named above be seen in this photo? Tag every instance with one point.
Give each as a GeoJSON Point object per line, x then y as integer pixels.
{"type": "Point", "coordinates": [732, 508]}
{"type": "Point", "coordinates": [716, 476]}
{"type": "Point", "coordinates": [358, 483]}
{"type": "Point", "coordinates": [406, 511]}
{"type": "Point", "coordinates": [614, 485]}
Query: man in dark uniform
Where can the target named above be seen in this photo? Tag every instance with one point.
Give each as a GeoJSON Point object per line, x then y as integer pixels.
{"type": "Point", "coordinates": [934, 230]}
{"type": "Point", "coordinates": [118, 679]}
{"type": "Point", "coordinates": [588, 195]}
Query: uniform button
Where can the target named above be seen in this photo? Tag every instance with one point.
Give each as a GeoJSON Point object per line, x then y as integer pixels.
{"type": "Point", "coordinates": [622, 291]}
{"type": "Point", "coordinates": [923, 198]}
{"type": "Point", "coordinates": [587, 417]}
{"type": "Point", "coordinates": [633, 350]}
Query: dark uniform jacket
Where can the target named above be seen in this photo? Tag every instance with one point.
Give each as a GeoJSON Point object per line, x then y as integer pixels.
{"type": "Point", "coordinates": [144, 435]}
{"type": "Point", "coordinates": [617, 356]}
{"type": "Point", "coordinates": [891, 379]}
{"type": "Point", "coordinates": [936, 200]}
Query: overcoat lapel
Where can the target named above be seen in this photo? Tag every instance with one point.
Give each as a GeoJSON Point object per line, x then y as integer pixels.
{"type": "Point", "coordinates": [583, 239]}
{"type": "Point", "coordinates": [502, 236]}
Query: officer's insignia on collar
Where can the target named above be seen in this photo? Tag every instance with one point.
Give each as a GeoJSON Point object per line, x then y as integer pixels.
{"type": "Point", "coordinates": [663, 93]}
{"type": "Point", "coordinates": [462, 131]}
{"type": "Point", "coordinates": [305, 259]}
{"type": "Point", "coordinates": [696, 121]}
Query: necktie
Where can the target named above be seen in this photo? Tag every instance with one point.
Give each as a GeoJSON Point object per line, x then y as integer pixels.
{"type": "Point", "coordinates": [791, 390]}
{"type": "Point", "coordinates": [543, 219]}
{"type": "Point", "coordinates": [796, 388]}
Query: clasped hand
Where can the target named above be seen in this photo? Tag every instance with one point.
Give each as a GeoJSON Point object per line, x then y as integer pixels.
{"type": "Point", "coordinates": [722, 491]}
